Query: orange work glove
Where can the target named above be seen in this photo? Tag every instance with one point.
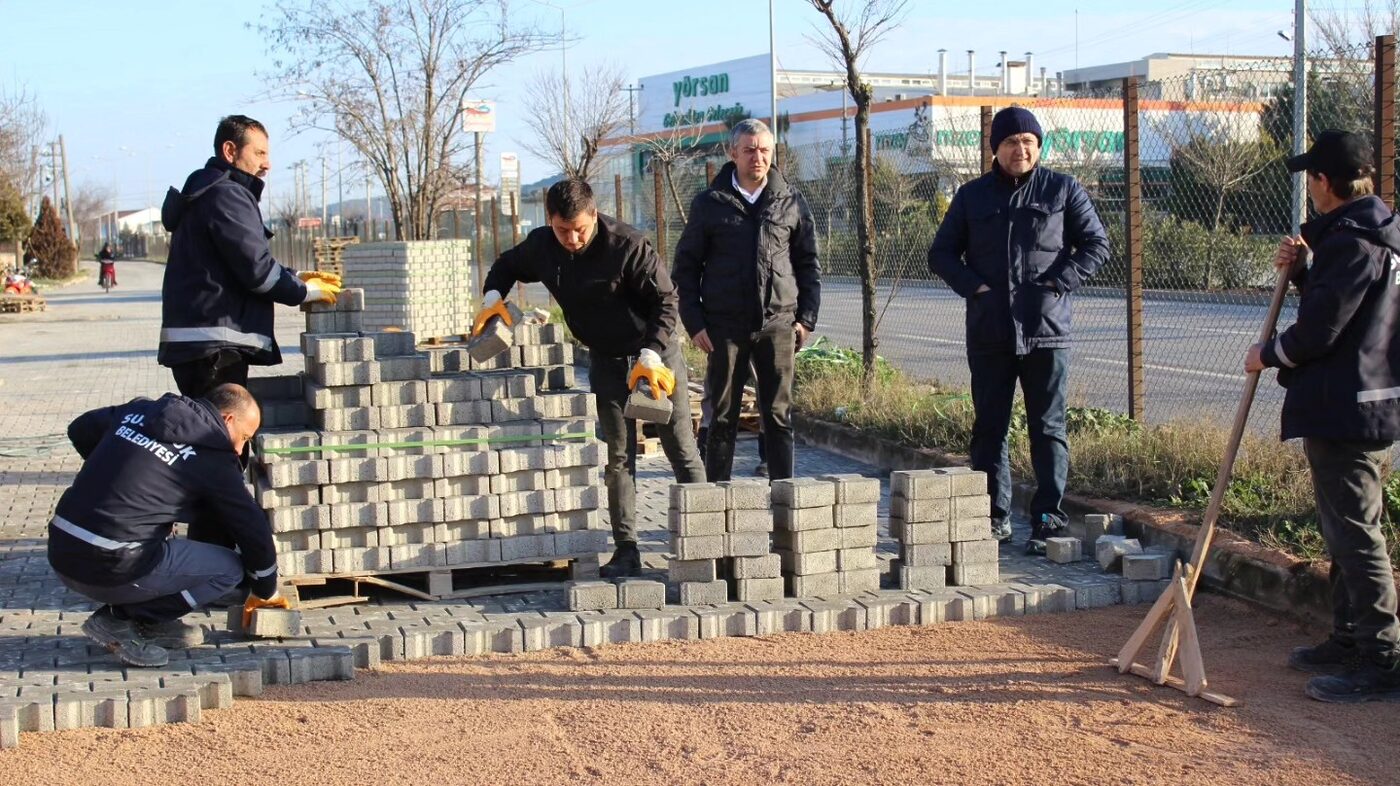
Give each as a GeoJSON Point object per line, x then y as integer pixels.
{"type": "Point", "coordinates": [329, 278]}
{"type": "Point", "coordinates": [649, 367]}
{"type": "Point", "coordinates": [492, 306]}
{"type": "Point", "coordinates": [253, 603]}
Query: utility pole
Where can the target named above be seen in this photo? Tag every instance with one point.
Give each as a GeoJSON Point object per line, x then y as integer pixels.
{"type": "Point", "coordinates": [53, 172]}
{"type": "Point", "coordinates": [477, 251]}
{"type": "Point", "coordinates": [773, 76]}
{"type": "Point", "coordinates": [1300, 109]}
{"type": "Point", "coordinates": [67, 192]}
{"type": "Point", "coordinates": [632, 90]}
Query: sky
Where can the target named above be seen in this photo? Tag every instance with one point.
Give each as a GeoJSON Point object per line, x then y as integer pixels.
{"type": "Point", "coordinates": [136, 87]}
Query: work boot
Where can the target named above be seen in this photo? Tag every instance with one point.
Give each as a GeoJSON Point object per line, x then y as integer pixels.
{"type": "Point", "coordinates": [1001, 531]}
{"type": "Point", "coordinates": [625, 562]}
{"type": "Point", "coordinates": [1370, 679]}
{"type": "Point", "coordinates": [123, 639]}
{"type": "Point", "coordinates": [172, 634]}
{"type": "Point", "coordinates": [1044, 527]}
{"type": "Point", "coordinates": [1331, 656]}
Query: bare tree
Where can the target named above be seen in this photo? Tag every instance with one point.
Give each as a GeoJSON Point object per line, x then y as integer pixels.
{"type": "Point", "coordinates": [851, 37]}
{"type": "Point", "coordinates": [671, 152]}
{"type": "Point", "coordinates": [391, 78]}
{"type": "Point", "coordinates": [571, 116]}
{"type": "Point", "coordinates": [91, 202]}
{"type": "Point", "coordinates": [1342, 32]}
{"type": "Point", "coordinates": [22, 125]}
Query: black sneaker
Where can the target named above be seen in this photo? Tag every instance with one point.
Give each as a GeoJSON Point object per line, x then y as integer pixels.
{"type": "Point", "coordinates": [625, 563]}
{"type": "Point", "coordinates": [171, 635]}
{"type": "Point", "coordinates": [1001, 531]}
{"type": "Point", "coordinates": [761, 471]}
{"type": "Point", "coordinates": [123, 639]}
{"type": "Point", "coordinates": [1035, 547]}
{"type": "Point", "coordinates": [1368, 680]}
{"type": "Point", "coordinates": [1332, 656]}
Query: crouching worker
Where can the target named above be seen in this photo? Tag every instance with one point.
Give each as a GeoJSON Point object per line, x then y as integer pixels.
{"type": "Point", "coordinates": [146, 465]}
{"type": "Point", "coordinates": [618, 300]}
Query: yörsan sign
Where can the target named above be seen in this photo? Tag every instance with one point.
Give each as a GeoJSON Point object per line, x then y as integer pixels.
{"type": "Point", "coordinates": [704, 94]}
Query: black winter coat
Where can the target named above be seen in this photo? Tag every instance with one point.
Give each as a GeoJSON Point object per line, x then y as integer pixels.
{"type": "Point", "coordinates": [740, 267]}
{"type": "Point", "coordinates": [221, 279]}
{"type": "Point", "coordinates": [1340, 360]}
{"type": "Point", "coordinates": [616, 295]}
{"type": "Point", "coordinates": [1033, 242]}
{"type": "Point", "coordinates": [146, 465]}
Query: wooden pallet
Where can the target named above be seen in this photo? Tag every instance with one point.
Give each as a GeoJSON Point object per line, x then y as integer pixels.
{"type": "Point", "coordinates": [459, 581]}
{"type": "Point", "coordinates": [22, 304]}
{"type": "Point", "coordinates": [328, 254]}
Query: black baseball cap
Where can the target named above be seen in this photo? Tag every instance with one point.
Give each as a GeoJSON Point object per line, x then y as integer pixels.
{"type": "Point", "coordinates": [1340, 155]}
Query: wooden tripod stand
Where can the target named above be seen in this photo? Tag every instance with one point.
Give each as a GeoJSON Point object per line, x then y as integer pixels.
{"type": "Point", "coordinates": [1173, 608]}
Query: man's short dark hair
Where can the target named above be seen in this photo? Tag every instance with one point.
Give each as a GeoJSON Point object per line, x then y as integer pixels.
{"type": "Point", "coordinates": [569, 197]}
{"type": "Point", "coordinates": [231, 398]}
{"type": "Point", "coordinates": [234, 128]}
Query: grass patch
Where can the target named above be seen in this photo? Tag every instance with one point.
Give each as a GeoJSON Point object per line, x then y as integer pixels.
{"type": "Point", "coordinates": [1270, 497]}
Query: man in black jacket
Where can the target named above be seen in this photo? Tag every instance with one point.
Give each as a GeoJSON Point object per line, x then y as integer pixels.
{"type": "Point", "coordinates": [1340, 363]}
{"type": "Point", "coordinates": [750, 287]}
{"type": "Point", "coordinates": [618, 301]}
{"type": "Point", "coordinates": [1015, 244]}
{"type": "Point", "coordinates": [220, 279]}
{"type": "Point", "coordinates": [146, 465]}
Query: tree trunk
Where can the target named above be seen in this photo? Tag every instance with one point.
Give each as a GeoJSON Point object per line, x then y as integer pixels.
{"type": "Point", "coordinates": [865, 239]}
{"type": "Point", "coordinates": [675, 195]}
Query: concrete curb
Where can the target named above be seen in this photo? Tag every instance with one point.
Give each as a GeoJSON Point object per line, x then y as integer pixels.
{"type": "Point", "coordinates": [1235, 566]}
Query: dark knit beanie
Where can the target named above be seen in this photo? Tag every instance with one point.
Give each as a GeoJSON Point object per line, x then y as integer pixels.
{"type": "Point", "coordinates": [1014, 120]}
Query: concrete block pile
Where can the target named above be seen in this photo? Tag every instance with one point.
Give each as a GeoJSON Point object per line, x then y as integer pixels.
{"type": "Point", "coordinates": [541, 350]}
{"type": "Point", "coordinates": [825, 534]}
{"type": "Point", "coordinates": [721, 540]}
{"type": "Point", "coordinates": [400, 469]}
{"type": "Point", "coordinates": [423, 287]}
{"type": "Point", "coordinates": [941, 519]}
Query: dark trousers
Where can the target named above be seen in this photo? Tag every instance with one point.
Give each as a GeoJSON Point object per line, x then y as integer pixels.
{"type": "Point", "coordinates": [198, 377]}
{"type": "Point", "coordinates": [1347, 484]}
{"type": "Point", "coordinates": [607, 376]}
{"type": "Point", "coordinates": [771, 352]}
{"type": "Point", "coordinates": [188, 577]}
{"type": "Point", "coordinates": [1043, 374]}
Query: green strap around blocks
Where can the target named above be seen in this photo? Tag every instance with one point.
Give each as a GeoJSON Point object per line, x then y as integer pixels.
{"type": "Point", "coordinates": [431, 443]}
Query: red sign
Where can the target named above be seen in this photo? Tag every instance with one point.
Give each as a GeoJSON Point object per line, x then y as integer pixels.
{"type": "Point", "coordinates": [308, 223]}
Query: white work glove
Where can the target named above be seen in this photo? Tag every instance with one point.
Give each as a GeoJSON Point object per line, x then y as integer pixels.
{"type": "Point", "coordinates": [492, 298]}
{"type": "Point", "coordinates": [320, 291]}
{"type": "Point", "coordinates": [649, 359]}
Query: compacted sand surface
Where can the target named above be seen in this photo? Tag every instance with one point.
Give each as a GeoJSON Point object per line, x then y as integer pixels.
{"type": "Point", "coordinates": [1021, 701]}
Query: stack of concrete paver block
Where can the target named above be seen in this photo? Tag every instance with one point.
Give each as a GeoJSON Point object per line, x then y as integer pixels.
{"type": "Point", "coordinates": [825, 535]}
{"type": "Point", "coordinates": [1146, 573]}
{"type": "Point", "coordinates": [457, 469]}
{"type": "Point", "coordinates": [543, 350]}
{"type": "Point", "coordinates": [721, 539]}
{"type": "Point", "coordinates": [941, 519]}
{"type": "Point", "coordinates": [423, 287]}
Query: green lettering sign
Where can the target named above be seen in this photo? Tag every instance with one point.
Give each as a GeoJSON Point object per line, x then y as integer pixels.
{"type": "Point", "coordinates": [699, 86]}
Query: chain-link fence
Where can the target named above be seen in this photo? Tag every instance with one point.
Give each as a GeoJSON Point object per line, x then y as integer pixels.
{"type": "Point", "coordinates": [1215, 198]}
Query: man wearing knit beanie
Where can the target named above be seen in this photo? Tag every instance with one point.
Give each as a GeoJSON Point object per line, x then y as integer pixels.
{"type": "Point", "coordinates": [1015, 244]}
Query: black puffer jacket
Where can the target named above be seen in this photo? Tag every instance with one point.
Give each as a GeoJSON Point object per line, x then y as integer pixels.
{"type": "Point", "coordinates": [1033, 242]}
{"type": "Point", "coordinates": [616, 295]}
{"type": "Point", "coordinates": [1340, 360]}
{"type": "Point", "coordinates": [146, 465]}
{"type": "Point", "coordinates": [221, 279]}
{"type": "Point", "coordinates": [740, 267]}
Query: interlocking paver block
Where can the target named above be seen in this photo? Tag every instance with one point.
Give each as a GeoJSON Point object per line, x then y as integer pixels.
{"type": "Point", "coordinates": [592, 596]}
{"type": "Point", "coordinates": [698, 497]}
{"type": "Point", "coordinates": [1110, 550]}
{"type": "Point", "coordinates": [803, 493]}
{"type": "Point", "coordinates": [1153, 566]}
{"type": "Point", "coordinates": [703, 593]}
{"type": "Point", "coordinates": [641, 594]}
{"type": "Point", "coordinates": [767, 566]}
{"type": "Point", "coordinates": [853, 489]}
{"type": "Point", "coordinates": [1063, 551]}
{"type": "Point", "coordinates": [920, 484]}
{"type": "Point", "coordinates": [679, 570]}
{"type": "Point", "coordinates": [749, 494]}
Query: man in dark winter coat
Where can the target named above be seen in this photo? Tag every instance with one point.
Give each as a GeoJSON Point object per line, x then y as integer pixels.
{"type": "Point", "coordinates": [750, 287]}
{"type": "Point", "coordinates": [221, 280]}
{"type": "Point", "coordinates": [1340, 362]}
{"type": "Point", "coordinates": [146, 465]}
{"type": "Point", "coordinates": [1016, 243]}
{"type": "Point", "coordinates": [618, 301]}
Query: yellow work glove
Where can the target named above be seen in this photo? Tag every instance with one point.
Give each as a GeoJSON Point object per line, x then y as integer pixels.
{"type": "Point", "coordinates": [320, 291]}
{"type": "Point", "coordinates": [492, 306]}
{"type": "Point", "coordinates": [253, 603]}
{"type": "Point", "coordinates": [329, 278]}
{"type": "Point", "coordinates": [649, 367]}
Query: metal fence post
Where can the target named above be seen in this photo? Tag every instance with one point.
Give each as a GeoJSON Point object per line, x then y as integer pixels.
{"type": "Point", "coordinates": [1385, 119]}
{"type": "Point", "coordinates": [515, 238]}
{"type": "Point", "coordinates": [987, 152]}
{"type": "Point", "coordinates": [494, 206]}
{"type": "Point", "coordinates": [1132, 234]}
{"type": "Point", "coordinates": [617, 195]}
{"type": "Point", "coordinates": [709, 173]}
{"type": "Point", "coordinates": [660, 214]}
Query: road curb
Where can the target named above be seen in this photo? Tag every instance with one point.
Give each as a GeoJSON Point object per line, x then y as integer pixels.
{"type": "Point", "coordinates": [1235, 566]}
